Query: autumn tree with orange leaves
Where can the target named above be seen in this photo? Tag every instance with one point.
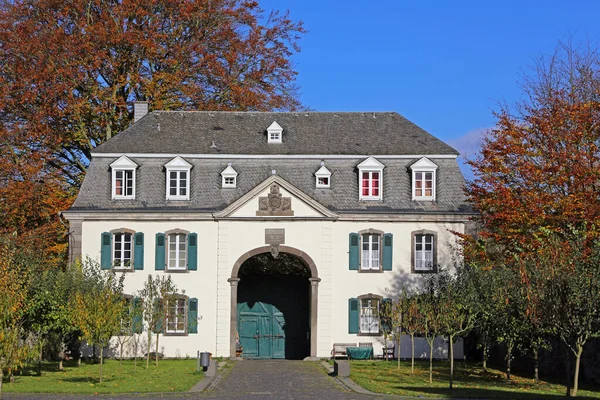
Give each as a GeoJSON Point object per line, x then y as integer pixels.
{"type": "Point", "coordinates": [71, 70]}
{"type": "Point", "coordinates": [536, 187]}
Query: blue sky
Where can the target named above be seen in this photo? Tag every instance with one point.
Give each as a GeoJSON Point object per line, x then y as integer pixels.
{"type": "Point", "coordinates": [445, 65]}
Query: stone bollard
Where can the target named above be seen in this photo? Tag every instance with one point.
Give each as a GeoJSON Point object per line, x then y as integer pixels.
{"type": "Point", "coordinates": [341, 368]}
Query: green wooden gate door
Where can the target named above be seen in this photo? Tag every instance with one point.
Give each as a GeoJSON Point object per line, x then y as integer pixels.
{"type": "Point", "coordinates": [261, 330]}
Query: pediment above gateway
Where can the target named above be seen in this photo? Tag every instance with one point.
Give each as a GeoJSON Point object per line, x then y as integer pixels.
{"type": "Point", "coordinates": [276, 198]}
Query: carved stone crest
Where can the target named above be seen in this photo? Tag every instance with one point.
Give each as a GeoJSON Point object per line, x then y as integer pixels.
{"type": "Point", "coordinates": [274, 204]}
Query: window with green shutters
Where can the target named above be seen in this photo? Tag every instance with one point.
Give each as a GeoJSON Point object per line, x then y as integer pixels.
{"type": "Point", "coordinates": [176, 251]}
{"type": "Point", "coordinates": [122, 250]}
{"type": "Point", "coordinates": [364, 315]}
{"type": "Point", "coordinates": [370, 250]}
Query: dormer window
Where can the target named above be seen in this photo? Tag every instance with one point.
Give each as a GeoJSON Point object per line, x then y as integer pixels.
{"type": "Point", "coordinates": [370, 179]}
{"type": "Point", "coordinates": [229, 177]}
{"type": "Point", "coordinates": [178, 179]}
{"type": "Point", "coordinates": [423, 180]}
{"type": "Point", "coordinates": [274, 133]}
{"type": "Point", "coordinates": [123, 178]}
{"type": "Point", "coordinates": [323, 177]}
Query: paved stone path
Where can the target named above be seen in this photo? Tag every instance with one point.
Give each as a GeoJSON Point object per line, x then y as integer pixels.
{"type": "Point", "coordinates": [280, 379]}
{"type": "Point", "coordinates": [249, 379]}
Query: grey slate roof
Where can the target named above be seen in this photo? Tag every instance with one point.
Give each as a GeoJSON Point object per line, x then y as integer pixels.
{"type": "Point", "coordinates": [207, 195]}
{"type": "Point", "coordinates": [351, 133]}
{"type": "Point", "coordinates": [176, 133]}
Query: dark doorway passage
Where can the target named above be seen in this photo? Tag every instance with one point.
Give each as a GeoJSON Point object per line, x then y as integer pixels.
{"type": "Point", "coordinates": [273, 307]}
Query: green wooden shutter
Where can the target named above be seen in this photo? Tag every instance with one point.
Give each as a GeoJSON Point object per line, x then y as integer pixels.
{"type": "Point", "coordinates": [138, 251]}
{"type": "Point", "coordinates": [106, 249]}
{"type": "Point", "coordinates": [353, 311]}
{"type": "Point", "coordinates": [159, 254]}
{"type": "Point", "coordinates": [192, 256]}
{"type": "Point", "coordinates": [136, 321]}
{"type": "Point", "coordinates": [388, 240]}
{"type": "Point", "coordinates": [385, 315]}
{"type": "Point", "coordinates": [193, 315]}
{"type": "Point", "coordinates": [353, 251]}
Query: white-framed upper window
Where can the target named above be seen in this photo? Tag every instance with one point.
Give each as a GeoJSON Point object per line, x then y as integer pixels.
{"type": "Point", "coordinates": [122, 250]}
{"type": "Point", "coordinates": [177, 253]}
{"type": "Point", "coordinates": [274, 133]}
{"type": "Point", "coordinates": [423, 179]}
{"type": "Point", "coordinates": [371, 251]}
{"type": "Point", "coordinates": [176, 320]}
{"type": "Point", "coordinates": [323, 177]}
{"type": "Point", "coordinates": [424, 252]}
{"type": "Point", "coordinates": [370, 179]}
{"type": "Point", "coordinates": [229, 177]}
{"type": "Point", "coordinates": [123, 178]}
{"type": "Point", "coordinates": [369, 315]}
{"type": "Point", "coordinates": [178, 179]}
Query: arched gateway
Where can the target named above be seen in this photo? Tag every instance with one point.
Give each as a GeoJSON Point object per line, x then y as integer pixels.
{"type": "Point", "coordinates": [274, 302]}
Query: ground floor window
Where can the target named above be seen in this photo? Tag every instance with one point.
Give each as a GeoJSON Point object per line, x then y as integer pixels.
{"type": "Point", "coordinates": [369, 315]}
{"type": "Point", "coordinates": [176, 316]}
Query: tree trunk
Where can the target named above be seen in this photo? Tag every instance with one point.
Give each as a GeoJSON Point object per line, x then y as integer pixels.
{"type": "Point", "coordinates": [79, 361]}
{"type": "Point", "coordinates": [576, 377]}
{"type": "Point", "coordinates": [567, 353]}
{"type": "Point", "coordinates": [485, 356]}
{"type": "Point", "coordinates": [508, 357]}
{"type": "Point", "coordinates": [451, 344]}
{"type": "Point", "coordinates": [101, 359]}
{"type": "Point", "coordinates": [156, 353]}
{"type": "Point", "coordinates": [412, 354]}
{"type": "Point", "coordinates": [148, 348]}
{"type": "Point", "coordinates": [61, 356]}
{"type": "Point", "coordinates": [135, 350]}
{"type": "Point", "coordinates": [1, 379]}
{"type": "Point", "coordinates": [399, 348]}
{"type": "Point", "coordinates": [431, 362]}
{"type": "Point", "coordinates": [120, 356]}
{"type": "Point", "coordinates": [536, 366]}
{"type": "Point", "coordinates": [40, 359]}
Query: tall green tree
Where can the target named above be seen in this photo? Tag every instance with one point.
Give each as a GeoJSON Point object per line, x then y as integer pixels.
{"type": "Point", "coordinates": [98, 306]}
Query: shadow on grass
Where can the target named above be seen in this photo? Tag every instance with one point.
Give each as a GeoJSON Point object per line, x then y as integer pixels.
{"type": "Point", "coordinates": [478, 393]}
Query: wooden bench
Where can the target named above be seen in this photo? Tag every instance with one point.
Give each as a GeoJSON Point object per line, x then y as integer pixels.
{"type": "Point", "coordinates": [339, 349]}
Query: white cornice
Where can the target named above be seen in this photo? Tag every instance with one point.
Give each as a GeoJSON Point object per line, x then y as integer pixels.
{"type": "Point", "coordinates": [276, 156]}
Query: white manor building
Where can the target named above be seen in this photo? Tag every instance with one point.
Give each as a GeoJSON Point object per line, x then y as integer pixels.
{"type": "Point", "coordinates": [287, 230]}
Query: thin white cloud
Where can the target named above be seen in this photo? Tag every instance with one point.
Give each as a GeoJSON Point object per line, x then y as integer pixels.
{"type": "Point", "coordinates": [468, 146]}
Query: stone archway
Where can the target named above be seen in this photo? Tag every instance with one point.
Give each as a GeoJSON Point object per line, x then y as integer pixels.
{"type": "Point", "coordinates": [314, 292]}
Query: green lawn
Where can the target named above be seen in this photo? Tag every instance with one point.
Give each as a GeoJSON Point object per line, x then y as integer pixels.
{"type": "Point", "coordinates": [470, 381]}
{"type": "Point", "coordinates": [170, 376]}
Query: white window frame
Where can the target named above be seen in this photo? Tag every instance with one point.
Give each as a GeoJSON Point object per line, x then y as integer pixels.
{"type": "Point", "coordinates": [178, 317]}
{"type": "Point", "coordinates": [228, 174]}
{"type": "Point", "coordinates": [177, 165]}
{"type": "Point", "coordinates": [369, 320]}
{"type": "Point", "coordinates": [424, 260]}
{"type": "Point", "coordinates": [274, 133]}
{"type": "Point", "coordinates": [178, 260]}
{"type": "Point", "coordinates": [125, 264]}
{"type": "Point", "coordinates": [123, 165]}
{"type": "Point", "coordinates": [370, 263]}
{"type": "Point", "coordinates": [423, 166]}
{"type": "Point", "coordinates": [370, 166]}
{"type": "Point", "coordinates": [322, 173]}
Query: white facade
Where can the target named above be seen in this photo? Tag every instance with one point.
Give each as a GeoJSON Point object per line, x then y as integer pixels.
{"type": "Point", "coordinates": [221, 242]}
